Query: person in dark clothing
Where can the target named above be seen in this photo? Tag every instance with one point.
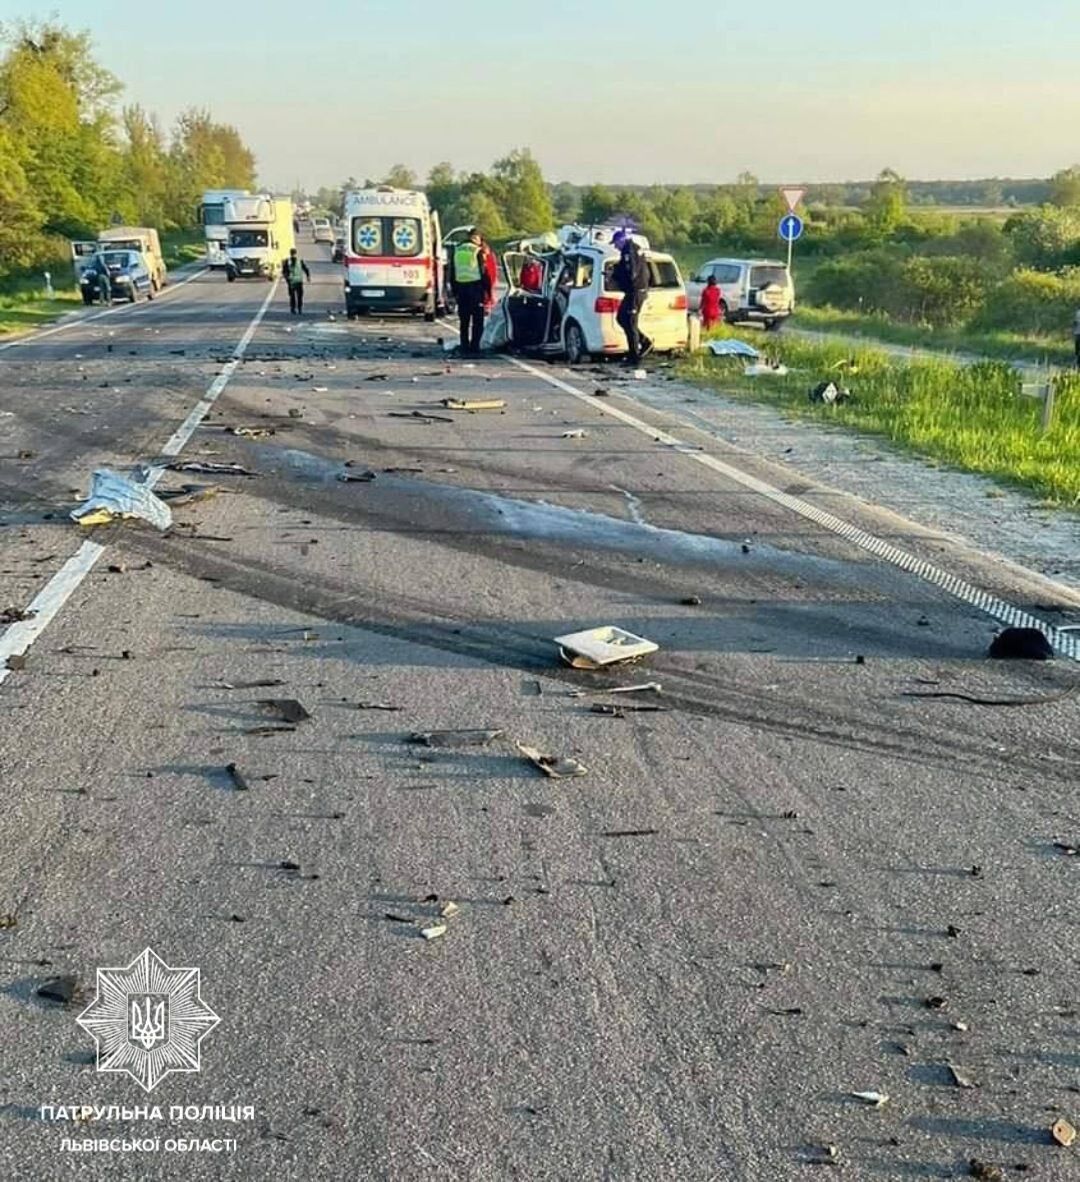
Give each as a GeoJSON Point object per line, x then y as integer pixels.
{"type": "Point", "coordinates": [294, 269]}
{"type": "Point", "coordinates": [471, 285]}
{"type": "Point", "coordinates": [631, 276]}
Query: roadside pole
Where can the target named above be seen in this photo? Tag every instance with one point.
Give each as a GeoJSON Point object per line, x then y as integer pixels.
{"type": "Point", "coordinates": [791, 225]}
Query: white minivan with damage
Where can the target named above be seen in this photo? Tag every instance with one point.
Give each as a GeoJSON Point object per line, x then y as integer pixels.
{"type": "Point", "coordinates": [570, 309]}
{"type": "Point", "coordinates": [393, 253]}
{"type": "Point", "coordinates": [751, 290]}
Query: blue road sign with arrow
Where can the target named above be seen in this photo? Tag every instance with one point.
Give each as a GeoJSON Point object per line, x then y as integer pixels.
{"type": "Point", "coordinates": [791, 227]}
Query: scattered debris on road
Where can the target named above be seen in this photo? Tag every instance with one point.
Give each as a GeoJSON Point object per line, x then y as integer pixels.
{"type": "Point", "coordinates": [558, 767]}
{"type": "Point", "coordinates": [829, 393]}
{"type": "Point", "coordinates": [960, 1077]}
{"type": "Point", "coordinates": [287, 708]}
{"type": "Point", "coordinates": [58, 989]}
{"type": "Point", "coordinates": [606, 645]}
{"type": "Point", "coordinates": [578, 434]}
{"type": "Point", "coordinates": [16, 662]}
{"type": "Point", "coordinates": [646, 687]}
{"type": "Point", "coordinates": [1021, 644]}
{"type": "Point", "coordinates": [15, 615]}
{"type": "Point", "coordinates": [264, 683]}
{"type": "Point", "coordinates": [873, 1099]}
{"type": "Point", "coordinates": [356, 477]}
{"type": "Point", "coordinates": [113, 496]}
{"type": "Point", "coordinates": [985, 1170]}
{"type": "Point", "coordinates": [1063, 1133]}
{"type": "Point", "coordinates": [378, 706]}
{"type": "Point", "coordinates": [460, 738]}
{"type": "Point", "coordinates": [1034, 700]}
{"type": "Point", "coordinates": [630, 833]}
{"type": "Point", "coordinates": [209, 468]}
{"type": "Point", "coordinates": [474, 404]}
{"type": "Point", "coordinates": [432, 931]}
{"type": "Point", "coordinates": [237, 777]}
{"type": "Point", "coordinates": [423, 416]}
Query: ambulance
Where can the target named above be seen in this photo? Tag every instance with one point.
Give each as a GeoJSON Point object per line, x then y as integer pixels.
{"type": "Point", "coordinates": [393, 260]}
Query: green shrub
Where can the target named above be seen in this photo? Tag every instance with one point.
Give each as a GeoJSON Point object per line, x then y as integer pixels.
{"type": "Point", "coordinates": [1033, 302]}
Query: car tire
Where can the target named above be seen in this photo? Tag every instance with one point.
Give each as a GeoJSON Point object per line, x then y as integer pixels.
{"type": "Point", "coordinates": [772, 324]}
{"type": "Point", "coordinates": [574, 343]}
{"type": "Point", "coordinates": [87, 297]}
{"type": "Point", "coordinates": [150, 292]}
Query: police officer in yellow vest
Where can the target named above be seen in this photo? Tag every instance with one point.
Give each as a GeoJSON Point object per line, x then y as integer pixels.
{"type": "Point", "coordinates": [469, 282]}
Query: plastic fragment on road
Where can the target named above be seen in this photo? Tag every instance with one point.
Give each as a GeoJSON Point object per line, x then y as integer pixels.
{"type": "Point", "coordinates": [433, 931]}
{"type": "Point", "coordinates": [113, 496]}
{"type": "Point", "coordinates": [873, 1099]}
{"type": "Point", "coordinates": [606, 645]}
{"type": "Point", "coordinates": [1063, 1133]}
{"type": "Point", "coordinates": [460, 738]}
{"type": "Point", "coordinates": [731, 348]}
{"type": "Point", "coordinates": [474, 403]}
{"type": "Point", "coordinates": [58, 989]}
{"type": "Point", "coordinates": [579, 434]}
{"type": "Point", "coordinates": [960, 1077]}
{"type": "Point", "coordinates": [1021, 644]}
{"type": "Point", "coordinates": [288, 709]}
{"type": "Point", "coordinates": [209, 467]}
{"type": "Point", "coordinates": [558, 767]}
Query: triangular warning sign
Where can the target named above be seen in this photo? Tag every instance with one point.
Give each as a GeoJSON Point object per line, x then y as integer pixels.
{"type": "Point", "coordinates": [792, 194]}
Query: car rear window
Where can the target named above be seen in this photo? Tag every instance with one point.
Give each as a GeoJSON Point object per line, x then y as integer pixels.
{"type": "Point", "coordinates": [764, 276]}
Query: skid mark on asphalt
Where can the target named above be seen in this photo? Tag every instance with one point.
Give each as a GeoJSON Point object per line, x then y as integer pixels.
{"type": "Point", "coordinates": [1065, 642]}
{"type": "Point", "coordinates": [59, 589]}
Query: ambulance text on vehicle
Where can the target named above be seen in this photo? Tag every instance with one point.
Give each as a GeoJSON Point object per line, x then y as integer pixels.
{"type": "Point", "coordinates": [392, 253]}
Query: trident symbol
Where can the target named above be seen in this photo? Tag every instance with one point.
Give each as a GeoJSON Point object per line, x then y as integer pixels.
{"type": "Point", "coordinates": [147, 1026]}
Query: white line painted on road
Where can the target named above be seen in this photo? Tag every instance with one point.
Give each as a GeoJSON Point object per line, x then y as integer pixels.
{"type": "Point", "coordinates": [44, 607]}
{"type": "Point", "coordinates": [77, 320]}
{"type": "Point", "coordinates": [1064, 642]}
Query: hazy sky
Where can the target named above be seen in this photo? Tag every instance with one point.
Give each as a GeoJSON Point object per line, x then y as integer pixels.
{"type": "Point", "coordinates": [641, 90]}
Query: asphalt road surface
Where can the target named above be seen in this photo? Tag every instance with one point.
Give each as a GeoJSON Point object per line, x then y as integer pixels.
{"type": "Point", "coordinates": [796, 873]}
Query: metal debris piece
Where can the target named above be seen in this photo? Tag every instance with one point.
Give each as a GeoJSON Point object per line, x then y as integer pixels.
{"type": "Point", "coordinates": [474, 403]}
{"type": "Point", "coordinates": [1063, 1132]}
{"type": "Point", "coordinates": [269, 730]}
{"type": "Point", "coordinates": [653, 686]}
{"type": "Point", "coordinates": [418, 414]}
{"type": "Point", "coordinates": [960, 1077]}
{"type": "Point", "coordinates": [377, 706]}
{"type": "Point", "coordinates": [356, 477]}
{"type": "Point", "coordinates": [113, 496]}
{"type": "Point", "coordinates": [237, 777]}
{"type": "Point", "coordinates": [288, 708]}
{"type": "Point", "coordinates": [265, 683]}
{"type": "Point", "coordinates": [209, 467]}
{"type": "Point", "coordinates": [558, 767]}
{"type": "Point", "coordinates": [691, 601]}
{"type": "Point", "coordinates": [874, 1099]}
{"type": "Point", "coordinates": [1067, 847]}
{"type": "Point", "coordinates": [462, 738]}
{"type": "Point", "coordinates": [433, 931]}
{"type": "Point", "coordinates": [250, 432]}
{"type": "Point", "coordinates": [935, 1003]}
{"type": "Point", "coordinates": [13, 615]}
{"type": "Point", "coordinates": [606, 645]}
{"type": "Point", "coordinates": [607, 709]}
{"type": "Point", "coordinates": [629, 832]}
{"type": "Point", "coordinates": [58, 989]}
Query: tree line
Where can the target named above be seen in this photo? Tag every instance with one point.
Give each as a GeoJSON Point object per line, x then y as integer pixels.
{"type": "Point", "coordinates": [73, 159]}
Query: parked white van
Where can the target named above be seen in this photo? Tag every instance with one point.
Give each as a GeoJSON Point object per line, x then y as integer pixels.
{"type": "Point", "coordinates": [760, 290]}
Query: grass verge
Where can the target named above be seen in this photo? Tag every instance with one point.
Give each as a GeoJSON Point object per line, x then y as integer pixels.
{"type": "Point", "coordinates": [1007, 346]}
{"type": "Point", "coordinates": [970, 416]}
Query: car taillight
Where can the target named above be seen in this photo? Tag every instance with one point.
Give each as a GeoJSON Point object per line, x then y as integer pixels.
{"type": "Point", "coordinates": [678, 304]}
{"type": "Point", "coordinates": [606, 304]}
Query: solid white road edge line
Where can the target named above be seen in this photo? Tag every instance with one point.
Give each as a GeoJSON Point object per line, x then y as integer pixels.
{"type": "Point", "coordinates": [1065, 642]}
{"type": "Point", "coordinates": [58, 590]}
{"type": "Point", "coordinates": [39, 335]}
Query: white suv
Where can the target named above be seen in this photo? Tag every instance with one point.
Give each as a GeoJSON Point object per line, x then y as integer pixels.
{"type": "Point", "coordinates": [759, 290]}
{"type": "Point", "coordinates": [322, 230]}
{"type": "Point", "coordinates": [572, 311]}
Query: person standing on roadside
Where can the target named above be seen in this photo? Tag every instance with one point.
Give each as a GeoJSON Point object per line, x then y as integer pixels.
{"type": "Point", "coordinates": [631, 275]}
{"type": "Point", "coordinates": [1076, 337]}
{"type": "Point", "coordinates": [710, 304]}
{"type": "Point", "coordinates": [294, 270]}
{"type": "Point", "coordinates": [468, 279]}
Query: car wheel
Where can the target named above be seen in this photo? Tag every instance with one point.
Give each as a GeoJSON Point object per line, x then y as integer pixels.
{"type": "Point", "coordinates": [230, 276]}
{"type": "Point", "coordinates": [150, 292]}
{"type": "Point", "coordinates": [576, 349]}
{"type": "Point", "coordinates": [87, 297]}
{"type": "Point", "coordinates": [772, 324]}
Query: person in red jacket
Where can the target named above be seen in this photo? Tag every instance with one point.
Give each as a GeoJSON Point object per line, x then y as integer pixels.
{"type": "Point", "coordinates": [491, 274]}
{"type": "Point", "coordinates": [711, 314]}
{"type": "Point", "coordinates": [532, 275]}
